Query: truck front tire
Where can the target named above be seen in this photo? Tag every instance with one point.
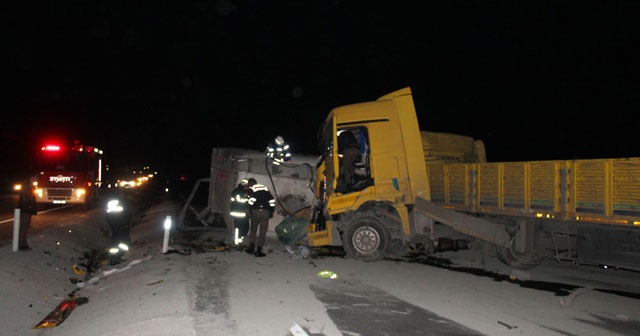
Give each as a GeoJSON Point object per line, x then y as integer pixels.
{"type": "Point", "coordinates": [366, 238]}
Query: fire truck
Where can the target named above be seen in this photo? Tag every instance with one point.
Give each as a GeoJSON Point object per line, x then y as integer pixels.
{"type": "Point", "coordinates": [68, 174]}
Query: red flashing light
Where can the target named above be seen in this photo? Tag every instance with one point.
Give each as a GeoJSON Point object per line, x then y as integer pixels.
{"type": "Point", "coordinates": [51, 148]}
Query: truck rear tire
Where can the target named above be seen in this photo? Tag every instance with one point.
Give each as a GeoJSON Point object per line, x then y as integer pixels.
{"type": "Point", "coordinates": [366, 238]}
{"type": "Point", "coordinates": [524, 261]}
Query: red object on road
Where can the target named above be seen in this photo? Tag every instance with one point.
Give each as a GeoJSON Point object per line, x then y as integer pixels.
{"type": "Point", "coordinates": [60, 314]}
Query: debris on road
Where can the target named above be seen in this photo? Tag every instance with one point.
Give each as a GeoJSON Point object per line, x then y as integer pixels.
{"type": "Point", "coordinates": [327, 275]}
{"type": "Point", "coordinates": [61, 312]}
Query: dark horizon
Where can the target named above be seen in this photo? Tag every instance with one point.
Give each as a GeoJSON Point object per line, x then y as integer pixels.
{"type": "Point", "coordinates": [164, 84]}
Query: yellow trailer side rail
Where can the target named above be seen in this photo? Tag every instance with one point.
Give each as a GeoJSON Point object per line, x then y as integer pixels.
{"type": "Point", "coordinates": [605, 191]}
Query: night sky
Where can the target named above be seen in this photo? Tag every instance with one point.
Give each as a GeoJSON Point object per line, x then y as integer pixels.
{"type": "Point", "coordinates": [163, 82]}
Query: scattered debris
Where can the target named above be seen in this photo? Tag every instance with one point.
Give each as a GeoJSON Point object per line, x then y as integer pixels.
{"type": "Point", "coordinates": [61, 312]}
{"type": "Point", "coordinates": [182, 252]}
{"type": "Point", "coordinates": [155, 282]}
{"type": "Point", "coordinates": [568, 300]}
{"type": "Point", "coordinates": [202, 246]}
{"type": "Point", "coordinates": [327, 275]}
{"type": "Point", "coordinates": [296, 330]}
{"type": "Point", "coordinates": [507, 325]}
{"type": "Point", "coordinates": [78, 271]}
{"type": "Point", "coordinates": [302, 251]}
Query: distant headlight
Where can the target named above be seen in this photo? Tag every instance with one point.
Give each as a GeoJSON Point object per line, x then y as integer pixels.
{"type": "Point", "coordinates": [127, 184]}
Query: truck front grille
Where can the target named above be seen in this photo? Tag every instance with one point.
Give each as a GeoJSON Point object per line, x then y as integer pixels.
{"type": "Point", "coordinates": [54, 193]}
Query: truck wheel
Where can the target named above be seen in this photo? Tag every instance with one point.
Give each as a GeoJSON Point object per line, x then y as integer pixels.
{"type": "Point", "coordinates": [520, 261]}
{"type": "Point", "coordinates": [366, 239]}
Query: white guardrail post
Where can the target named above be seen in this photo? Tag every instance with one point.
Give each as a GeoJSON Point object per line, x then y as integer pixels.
{"type": "Point", "coordinates": [16, 228]}
{"type": "Point", "coordinates": [167, 228]}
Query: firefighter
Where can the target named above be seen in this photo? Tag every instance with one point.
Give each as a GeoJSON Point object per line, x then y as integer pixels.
{"type": "Point", "coordinates": [239, 210]}
{"type": "Point", "coordinates": [278, 151]}
{"type": "Point", "coordinates": [262, 206]}
{"type": "Point", "coordinates": [118, 217]}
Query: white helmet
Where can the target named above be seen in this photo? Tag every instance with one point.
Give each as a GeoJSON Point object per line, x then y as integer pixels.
{"type": "Point", "coordinates": [279, 140]}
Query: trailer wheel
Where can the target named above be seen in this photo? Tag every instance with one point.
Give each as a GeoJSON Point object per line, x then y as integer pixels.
{"type": "Point", "coordinates": [366, 238]}
{"type": "Point", "coordinates": [520, 261]}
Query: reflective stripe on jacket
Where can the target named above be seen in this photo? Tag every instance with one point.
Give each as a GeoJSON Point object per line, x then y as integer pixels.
{"type": "Point", "coordinates": [239, 202]}
{"type": "Point", "coordinates": [261, 198]}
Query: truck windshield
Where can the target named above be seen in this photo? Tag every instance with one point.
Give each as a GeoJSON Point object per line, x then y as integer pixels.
{"type": "Point", "coordinates": [75, 161]}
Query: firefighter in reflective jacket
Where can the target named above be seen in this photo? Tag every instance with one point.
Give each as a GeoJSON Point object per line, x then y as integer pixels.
{"type": "Point", "coordinates": [262, 206]}
{"type": "Point", "coordinates": [278, 151]}
{"type": "Point", "coordinates": [118, 217]}
{"type": "Point", "coordinates": [240, 211]}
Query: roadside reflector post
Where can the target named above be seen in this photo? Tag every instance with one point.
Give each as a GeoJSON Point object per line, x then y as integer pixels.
{"type": "Point", "coordinates": [16, 228]}
{"type": "Point", "coordinates": [167, 229]}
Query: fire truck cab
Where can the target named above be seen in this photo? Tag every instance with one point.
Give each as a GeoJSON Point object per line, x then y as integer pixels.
{"type": "Point", "coordinates": [68, 174]}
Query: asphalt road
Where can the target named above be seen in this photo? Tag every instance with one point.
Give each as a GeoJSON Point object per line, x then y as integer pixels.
{"type": "Point", "coordinates": [48, 214]}
{"type": "Point", "coordinates": [45, 217]}
{"type": "Point", "coordinates": [369, 308]}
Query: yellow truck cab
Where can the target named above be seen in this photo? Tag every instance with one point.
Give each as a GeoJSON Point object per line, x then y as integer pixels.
{"type": "Point", "coordinates": [421, 191]}
{"type": "Point", "coordinates": [381, 185]}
